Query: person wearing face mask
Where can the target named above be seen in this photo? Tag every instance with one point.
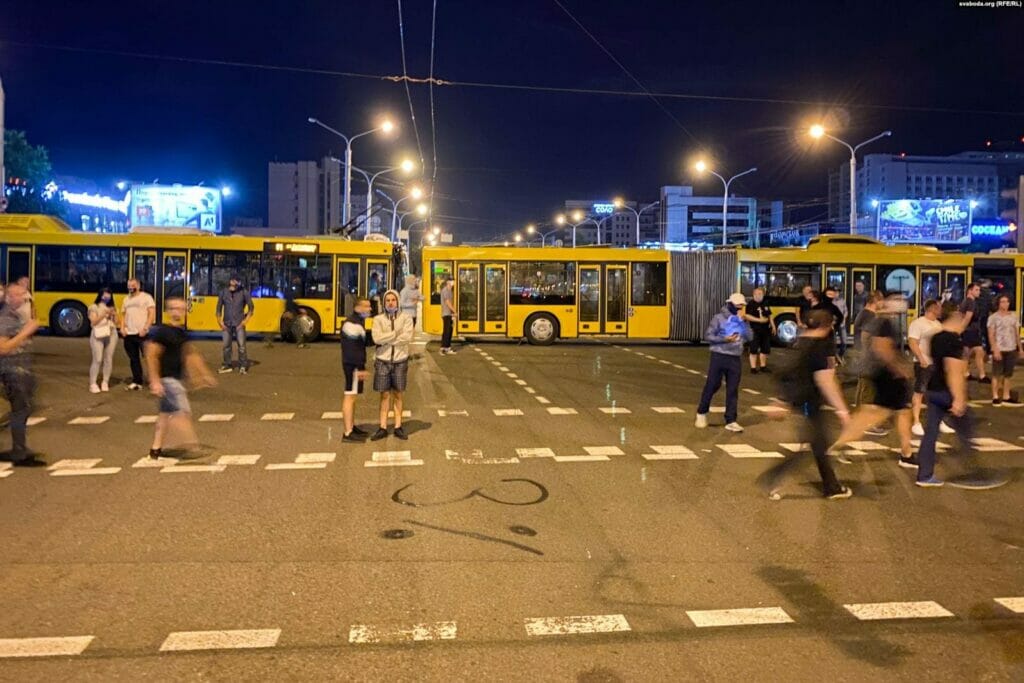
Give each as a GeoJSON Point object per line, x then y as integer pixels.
{"type": "Point", "coordinates": [410, 297]}
{"type": "Point", "coordinates": [234, 308]}
{"type": "Point", "coordinates": [354, 340]}
{"type": "Point", "coordinates": [102, 339]}
{"type": "Point", "coordinates": [138, 313]}
{"type": "Point", "coordinates": [726, 334]}
{"type": "Point", "coordinates": [392, 333]}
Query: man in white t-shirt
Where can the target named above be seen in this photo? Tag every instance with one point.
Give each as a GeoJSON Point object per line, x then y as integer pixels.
{"type": "Point", "coordinates": [919, 336]}
{"type": "Point", "coordinates": [138, 313]}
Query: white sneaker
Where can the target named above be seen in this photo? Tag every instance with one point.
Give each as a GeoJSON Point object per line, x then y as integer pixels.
{"type": "Point", "coordinates": [701, 422]}
{"type": "Point", "coordinates": [105, 387]}
{"type": "Point", "coordinates": [917, 429]}
{"type": "Point", "coordinates": [733, 427]}
{"type": "Point", "coordinates": [94, 389]}
{"type": "Point", "coordinates": [946, 429]}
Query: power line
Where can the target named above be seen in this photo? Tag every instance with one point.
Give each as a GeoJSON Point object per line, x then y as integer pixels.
{"type": "Point", "coordinates": [433, 125]}
{"type": "Point", "coordinates": [405, 79]}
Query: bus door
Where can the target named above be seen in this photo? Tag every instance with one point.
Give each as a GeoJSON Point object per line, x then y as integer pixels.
{"type": "Point", "coordinates": [955, 285]}
{"type": "Point", "coordinates": [172, 283]}
{"type": "Point", "coordinates": [866, 276]}
{"type": "Point", "coordinates": [495, 298]}
{"type": "Point", "coordinates": [19, 263]}
{"type": "Point", "coordinates": [839, 278]}
{"type": "Point", "coordinates": [589, 296]}
{"type": "Point", "coordinates": [616, 288]}
{"type": "Point", "coordinates": [378, 274]}
{"type": "Point", "coordinates": [346, 288]}
{"type": "Point", "coordinates": [467, 299]}
{"type": "Point", "coordinates": [603, 304]}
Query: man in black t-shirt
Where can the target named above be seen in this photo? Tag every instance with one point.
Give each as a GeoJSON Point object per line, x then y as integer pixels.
{"type": "Point", "coordinates": [759, 315]}
{"type": "Point", "coordinates": [972, 312]}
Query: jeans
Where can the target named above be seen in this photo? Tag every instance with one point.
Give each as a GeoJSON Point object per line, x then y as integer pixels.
{"type": "Point", "coordinates": [446, 333]}
{"type": "Point", "coordinates": [939, 404]}
{"type": "Point", "coordinates": [236, 333]}
{"type": "Point", "coordinates": [722, 366]}
{"type": "Point", "coordinates": [102, 354]}
{"type": "Point", "coordinates": [133, 347]}
{"type": "Point", "coordinates": [841, 341]}
{"type": "Point", "coordinates": [18, 388]}
{"type": "Point", "coordinates": [816, 434]}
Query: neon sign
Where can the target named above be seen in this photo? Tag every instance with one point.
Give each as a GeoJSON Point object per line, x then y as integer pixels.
{"type": "Point", "coordinates": [95, 201]}
{"type": "Point", "coordinates": [992, 229]}
{"type": "Point", "coordinates": [604, 209]}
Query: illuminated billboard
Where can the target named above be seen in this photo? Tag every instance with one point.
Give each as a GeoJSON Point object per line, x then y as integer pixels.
{"type": "Point", "coordinates": [932, 221]}
{"type": "Point", "coordinates": [176, 206]}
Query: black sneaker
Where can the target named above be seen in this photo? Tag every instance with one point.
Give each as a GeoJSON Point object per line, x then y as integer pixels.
{"type": "Point", "coordinates": [352, 437]}
{"type": "Point", "coordinates": [753, 371]}
{"type": "Point", "coordinates": [400, 433]}
{"type": "Point", "coordinates": [997, 401]}
{"type": "Point", "coordinates": [843, 492]}
{"type": "Point", "coordinates": [985, 380]}
{"type": "Point", "coordinates": [156, 453]}
{"type": "Point", "coordinates": [360, 432]}
{"type": "Point", "coordinates": [766, 369]}
{"type": "Point", "coordinates": [381, 433]}
{"type": "Point", "coordinates": [30, 461]}
{"type": "Point", "coordinates": [910, 463]}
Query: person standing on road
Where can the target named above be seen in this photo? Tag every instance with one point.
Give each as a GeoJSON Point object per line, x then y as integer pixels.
{"type": "Point", "coordinates": [759, 315]}
{"type": "Point", "coordinates": [16, 376]}
{"type": "Point", "coordinates": [862, 327]}
{"type": "Point", "coordinates": [392, 333]}
{"type": "Point", "coordinates": [807, 382]}
{"type": "Point", "coordinates": [102, 339]}
{"type": "Point", "coordinates": [836, 305]}
{"type": "Point", "coordinates": [806, 304]}
{"type": "Point", "coordinates": [919, 337]}
{"type": "Point", "coordinates": [1004, 340]}
{"type": "Point", "coordinates": [354, 340]}
{"type": "Point", "coordinates": [410, 297]}
{"type": "Point", "coordinates": [27, 310]}
{"type": "Point", "coordinates": [972, 331]}
{"type": "Point", "coordinates": [726, 335]}
{"type": "Point", "coordinates": [858, 301]}
{"type": "Point", "coordinates": [170, 357]}
{"type": "Point", "coordinates": [447, 316]}
{"type": "Point", "coordinates": [234, 309]}
{"type": "Point", "coordinates": [138, 313]}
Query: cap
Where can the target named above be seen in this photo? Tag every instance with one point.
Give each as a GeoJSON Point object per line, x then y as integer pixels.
{"type": "Point", "coordinates": [737, 299]}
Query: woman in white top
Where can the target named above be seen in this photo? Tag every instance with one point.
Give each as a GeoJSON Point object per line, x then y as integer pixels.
{"type": "Point", "coordinates": [103, 338]}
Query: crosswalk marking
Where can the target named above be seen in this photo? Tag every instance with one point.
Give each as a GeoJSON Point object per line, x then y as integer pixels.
{"type": "Point", "coordinates": [452, 413]}
{"type": "Point", "coordinates": [1012, 604]}
{"type": "Point", "coordinates": [208, 469]}
{"type": "Point", "coordinates": [275, 466]}
{"type": "Point", "coordinates": [405, 413]}
{"type": "Point", "coordinates": [476, 457]}
{"type": "Point", "coordinates": [506, 412]}
{"type": "Point", "coordinates": [716, 409]}
{"type": "Point", "coordinates": [98, 420]}
{"type": "Point", "coordinates": [772, 408]}
{"type": "Point", "coordinates": [401, 463]}
{"type": "Point", "coordinates": [582, 458]}
{"type": "Point", "coordinates": [89, 472]}
{"type": "Point", "coordinates": [238, 459]}
{"type": "Point", "coordinates": [670, 453]}
{"type": "Point", "coordinates": [44, 647]}
{"type": "Point", "coordinates": [535, 453]}
{"type": "Point", "coordinates": [272, 417]}
{"type": "Point", "coordinates": [542, 399]}
{"type": "Point", "coordinates": [742, 450]}
{"type": "Point", "coordinates": [866, 446]}
{"type": "Point", "coordinates": [161, 462]}
{"type": "Point", "coordinates": [145, 419]}
{"type": "Point", "coordinates": [739, 617]}
{"type": "Point", "coordinates": [366, 633]}
{"type": "Point", "coordinates": [986, 444]}
{"type": "Point", "coordinates": [217, 417]}
{"type": "Point", "coordinates": [666, 410]}
{"type": "Point", "coordinates": [561, 626]}
{"type": "Point", "coordinates": [562, 411]}
{"type": "Point", "coordinates": [33, 421]}
{"type": "Point", "coordinates": [332, 415]}
{"type": "Point", "coordinates": [220, 640]}
{"type": "Point", "coordinates": [754, 392]}
{"type": "Point", "coordinates": [391, 456]}
{"type": "Point", "coordinates": [872, 611]}
{"type": "Point", "coordinates": [72, 464]}
{"type": "Point", "coordinates": [615, 410]}
{"type": "Point", "coordinates": [603, 450]}
{"type": "Point", "coordinates": [316, 457]}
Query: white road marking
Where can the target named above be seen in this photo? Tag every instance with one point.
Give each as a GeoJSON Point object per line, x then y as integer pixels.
{"type": "Point", "coordinates": [211, 469]}
{"type": "Point", "coordinates": [603, 450]}
{"type": "Point", "coordinates": [238, 459]}
{"type": "Point", "coordinates": [69, 464]}
{"type": "Point", "coordinates": [521, 382]}
{"type": "Point", "coordinates": [33, 421]}
{"type": "Point", "coordinates": [98, 420]}
{"type": "Point", "coordinates": [316, 457]}
{"type": "Point", "coordinates": [535, 453]}
{"type": "Point", "coordinates": [161, 462]}
{"type": "Point", "coordinates": [717, 409]}
{"type": "Point", "coordinates": [665, 362]}
{"type": "Point", "coordinates": [582, 458]}
{"type": "Point", "coordinates": [561, 626]}
{"type": "Point", "coordinates": [511, 375]}
{"type": "Point", "coordinates": [419, 343]}
{"type": "Point", "coordinates": [477, 458]}
{"type": "Point", "coordinates": [739, 617]}
{"type": "Point", "coordinates": [872, 611]}
{"type": "Point", "coordinates": [542, 399]}
{"type": "Point", "coordinates": [796, 447]}
{"type": "Point", "coordinates": [1012, 604]}
{"type": "Point", "coordinates": [740, 450]}
{"type": "Point", "coordinates": [670, 453]}
{"type": "Point", "coordinates": [6, 470]}
{"type": "Point", "coordinates": [692, 372]}
{"type": "Point", "coordinates": [562, 411]}
{"type": "Point", "coordinates": [273, 417]}
{"type": "Point", "coordinates": [221, 640]}
{"type": "Point", "coordinates": [93, 471]}
{"type": "Point", "coordinates": [867, 446]}
{"type": "Point", "coordinates": [392, 456]}
{"type": "Point", "coordinates": [503, 368]}
{"type": "Point", "coordinates": [217, 417]}
{"type": "Point", "coordinates": [530, 390]}
{"type": "Point", "coordinates": [405, 413]}
{"type": "Point", "coordinates": [145, 419]}
{"type": "Point", "coordinates": [664, 410]}
{"type": "Point", "coordinates": [506, 412]}
{"type": "Point", "coordinates": [368, 633]}
{"type": "Point", "coordinates": [44, 647]}
{"type": "Point", "coordinates": [755, 392]}
{"type": "Point", "coordinates": [614, 410]}
{"type": "Point", "coordinates": [401, 463]}
{"type": "Point", "coordinates": [986, 444]}
{"type": "Point", "coordinates": [452, 413]}
{"type": "Point", "coordinates": [296, 466]}
{"type": "Point", "coordinates": [333, 415]}
{"type": "Point", "coordinates": [771, 409]}
{"type": "Point", "coordinates": [679, 367]}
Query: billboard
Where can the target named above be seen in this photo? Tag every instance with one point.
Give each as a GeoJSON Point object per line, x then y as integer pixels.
{"type": "Point", "coordinates": [934, 221]}
{"type": "Point", "coordinates": [176, 206]}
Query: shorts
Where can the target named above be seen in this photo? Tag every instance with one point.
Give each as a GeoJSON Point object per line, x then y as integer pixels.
{"type": "Point", "coordinates": [1004, 367]}
{"type": "Point", "coordinates": [353, 386]}
{"type": "Point", "coordinates": [762, 341]}
{"type": "Point", "coordinates": [921, 377]}
{"type": "Point", "coordinates": [891, 392]}
{"type": "Point", "coordinates": [971, 338]}
{"type": "Point", "coordinates": [175, 398]}
{"type": "Point", "coordinates": [390, 376]}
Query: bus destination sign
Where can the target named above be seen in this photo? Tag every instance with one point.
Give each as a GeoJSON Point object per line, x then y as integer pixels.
{"type": "Point", "coordinates": [303, 248]}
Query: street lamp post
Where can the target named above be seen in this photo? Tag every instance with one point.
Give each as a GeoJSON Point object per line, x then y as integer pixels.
{"type": "Point", "coordinates": [620, 204]}
{"type": "Point", "coordinates": [701, 167]}
{"type": "Point", "coordinates": [818, 131]}
{"type": "Point", "coordinates": [414, 193]}
{"type": "Point", "coordinates": [406, 167]}
{"type": "Point", "coordinates": [576, 216]}
{"type": "Point", "coordinates": [346, 207]}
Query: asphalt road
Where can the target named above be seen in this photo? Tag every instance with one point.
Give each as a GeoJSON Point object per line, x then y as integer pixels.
{"type": "Point", "coordinates": [554, 516]}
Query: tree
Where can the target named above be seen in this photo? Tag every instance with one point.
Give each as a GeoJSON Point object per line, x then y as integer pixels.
{"type": "Point", "coordinates": [28, 173]}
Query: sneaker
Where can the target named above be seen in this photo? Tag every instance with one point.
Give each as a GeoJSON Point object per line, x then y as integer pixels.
{"type": "Point", "coordinates": [224, 369]}
{"type": "Point", "coordinates": [997, 401]}
{"type": "Point", "coordinates": [766, 369]}
{"type": "Point", "coordinates": [379, 434]}
{"type": "Point", "coordinates": [155, 453]}
{"type": "Point", "coordinates": [753, 371]}
{"type": "Point", "coordinates": [94, 388]}
{"type": "Point", "coordinates": [910, 463]}
{"type": "Point", "coordinates": [132, 386]}
{"type": "Point", "coordinates": [701, 422]}
{"type": "Point", "coordinates": [400, 433]}
{"type": "Point", "coordinates": [30, 461]}
{"type": "Point", "coordinates": [843, 492]}
{"type": "Point", "coordinates": [105, 387]}
{"type": "Point", "coordinates": [917, 429]}
{"type": "Point", "coordinates": [985, 380]}
{"type": "Point", "coordinates": [733, 427]}
{"type": "Point", "coordinates": [876, 431]}
{"type": "Point", "coordinates": [930, 482]}
{"type": "Point", "coordinates": [775, 495]}
{"type": "Point", "coordinates": [352, 437]}
{"type": "Point", "coordinates": [243, 371]}
{"type": "Point", "coordinates": [360, 432]}
{"type": "Point", "coordinates": [844, 459]}
{"type": "Point", "coordinates": [946, 429]}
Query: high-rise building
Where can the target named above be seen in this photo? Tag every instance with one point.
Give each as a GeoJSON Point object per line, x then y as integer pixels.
{"type": "Point", "coordinates": [293, 197]}
{"type": "Point", "coordinates": [686, 217]}
{"type": "Point", "coordinates": [618, 225]}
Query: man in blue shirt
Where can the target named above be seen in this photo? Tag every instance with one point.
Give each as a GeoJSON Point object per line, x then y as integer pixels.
{"type": "Point", "coordinates": [726, 335]}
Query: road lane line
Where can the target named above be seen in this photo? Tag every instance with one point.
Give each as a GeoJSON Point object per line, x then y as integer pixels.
{"type": "Point", "coordinates": [506, 412]}
{"type": "Point", "coordinates": [665, 362]}
{"type": "Point", "coordinates": [738, 617]}
{"type": "Point", "coordinates": [332, 415]}
{"type": "Point", "coordinates": [211, 469]}
{"type": "Point", "coordinates": [98, 420]}
{"type": "Point", "coordinates": [511, 375]}
{"type": "Point", "coordinates": [94, 471]}
{"type": "Point", "coordinates": [44, 647]}
{"type": "Point", "coordinates": [316, 457]}
{"type": "Point", "coordinates": [603, 450]}
{"type": "Point", "coordinates": [872, 611]}
{"type": "Point", "coordinates": [296, 466]}
{"type": "Point", "coordinates": [217, 417]}
{"type": "Point", "coordinates": [542, 399]}
{"type": "Point", "coordinates": [530, 390]}
{"type": "Point", "coordinates": [238, 459]}
{"type": "Point", "coordinates": [755, 392]}
{"type": "Point", "coordinates": [582, 458]}
{"type": "Point", "coordinates": [33, 421]}
{"type": "Point", "coordinates": [273, 417]}
{"type": "Point", "coordinates": [72, 464]}
{"type": "Point", "coordinates": [361, 634]}
{"type": "Point", "coordinates": [665, 410]}
{"type": "Point", "coordinates": [535, 453]}
{"type": "Point", "coordinates": [692, 372]}
{"type": "Point", "coordinates": [180, 641]}
{"type": "Point", "coordinates": [146, 419]}
{"type": "Point", "coordinates": [400, 463]}
{"type": "Point", "coordinates": [520, 382]}
{"type": "Point", "coordinates": [561, 626]}
{"type": "Point", "coordinates": [615, 410]}
{"type": "Point", "coordinates": [1012, 604]}
{"type": "Point", "coordinates": [503, 368]}
{"type": "Point", "coordinates": [562, 411]}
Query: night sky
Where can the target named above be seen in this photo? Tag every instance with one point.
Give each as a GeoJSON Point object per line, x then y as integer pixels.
{"type": "Point", "coordinates": [507, 156]}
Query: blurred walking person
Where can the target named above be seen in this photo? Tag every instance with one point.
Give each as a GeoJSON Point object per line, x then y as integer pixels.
{"type": "Point", "coordinates": [138, 313]}
{"type": "Point", "coordinates": [919, 337]}
{"type": "Point", "coordinates": [411, 297]}
{"type": "Point", "coordinates": [726, 334]}
{"type": "Point", "coordinates": [105, 322]}
{"type": "Point", "coordinates": [392, 334]}
{"type": "Point", "coordinates": [16, 376]}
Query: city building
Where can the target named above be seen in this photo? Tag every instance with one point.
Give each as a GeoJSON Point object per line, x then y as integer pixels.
{"type": "Point", "coordinates": [306, 197]}
{"type": "Point", "coordinates": [618, 224]}
{"type": "Point", "coordinates": [686, 217]}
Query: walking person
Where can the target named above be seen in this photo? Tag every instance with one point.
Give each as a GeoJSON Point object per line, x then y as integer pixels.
{"type": "Point", "coordinates": [27, 310]}
{"type": "Point", "coordinates": [392, 334]}
{"type": "Point", "coordinates": [972, 331]}
{"type": "Point", "coordinates": [354, 340]}
{"type": "Point", "coordinates": [759, 315]}
{"type": "Point", "coordinates": [726, 335]}
{"type": "Point", "coordinates": [234, 309]}
{"type": "Point", "coordinates": [807, 382]}
{"type": "Point", "coordinates": [447, 316]}
{"type": "Point", "coordinates": [837, 307]}
{"type": "Point", "coordinates": [862, 327]}
{"type": "Point", "coordinates": [859, 299]}
{"type": "Point", "coordinates": [102, 339]}
{"type": "Point", "coordinates": [16, 376]}
{"type": "Point", "coordinates": [410, 297]}
{"type": "Point", "coordinates": [1004, 341]}
{"type": "Point", "coordinates": [170, 357]}
{"type": "Point", "coordinates": [138, 313]}
{"type": "Point", "coordinates": [806, 304]}
{"type": "Point", "coordinates": [919, 337]}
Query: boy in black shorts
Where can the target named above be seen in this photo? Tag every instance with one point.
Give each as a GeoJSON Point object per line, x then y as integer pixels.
{"type": "Point", "coordinates": [759, 315]}
{"type": "Point", "coordinates": [354, 340]}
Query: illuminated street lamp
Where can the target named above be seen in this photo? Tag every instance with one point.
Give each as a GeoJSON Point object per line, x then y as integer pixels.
{"type": "Point", "coordinates": [577, 219]}
{"type": "Point", "coordinates": [818, 131]}
{"type": "Point", "coordinates": [517, 237]}
{"type": "Point", "coordinates": [620, 204]}
{"type": "Point", "coordinates": [702, 167]}
{"type": "Point", "coordinates": [406, 167]}
{"type": "Point", "coordinates": [226, 190]}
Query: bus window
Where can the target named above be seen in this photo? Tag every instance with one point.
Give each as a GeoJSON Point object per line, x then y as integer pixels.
{"type": "Point", "coordinates": [542, 283]}
{"type": "Point", "coordinates": [469, 293]}
{"type": "Point", "coordinates": [783, 282]}
{"type": "Point", "coordinates": [439, 272]}
{"type": "Point", "coordinates": [294, 276]}
{"type": "Point", "coordinates": [348, 287]}
{"type": "Point", "coordinates": [649, 284]}
{"type": "Point", "coordinates": [227, 263]}
{"type": "Point", "coordinates": [81, 269]}
{"type": "Point", "coordinates": [377, 277]}
{"type": "Point", "coordinates": [751, 277]}
{"type": "Point", "coordinates": [590, 294]}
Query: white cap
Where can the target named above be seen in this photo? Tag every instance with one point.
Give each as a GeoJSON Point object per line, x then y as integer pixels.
{"type": "Point", "coordinates": [737, 299]}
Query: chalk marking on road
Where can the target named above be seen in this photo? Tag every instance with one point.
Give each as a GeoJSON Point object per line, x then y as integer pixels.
{"type": "Point", "coordinates": [987, 444]}
{"type": "Point", "coordinates": [210, 469]}
{"type": "Point", "coordinates": [563, 626]}
{"type": "Point", "coordinates": [44, 647]}
{"type": "Point", "coordinates": [1012, 604]}
{"type": "Point", "coordinates": [562, 411]}
{"type": "Point", "coordinates": [452, 413]}
{"type": "Point", "coordinates": [542, 399]}
{"type": "Point", "coordinates": [274, 417]}
{"type": "Point", "coordinates": [392, 456]}
{"type": "Point", "coordinates": [603, 450]}
{"type": "Point", "coordinates": [476, 457]}
{"type": "Point", "coordinates": [98, 420]}
{"type": "Point", "coordinates": [872, 611]}
{"type": "Point", "coordinates": [666, 410]}
{"type": "Point", "coordinates": [296, 466]}
{"type": "Point", "coordinates": [217, 417]}
{"type": "Point", "coordinates": [360, 634]}
{"type": "Point", "coordinates": [238, 459]}
{"type": "Point", "coordinates": [535, 453]}
{"type": "Point", "coordinates": [741, 450]}
{"type": "Point", "coordinates": [146, 419]}
{"type": "Point", "coordinates": [615, 410]}
{"type": "Point", "coordinates": [221, 640]}
{"type": "Point", "coordinates": [511, 375]}
{"type": "Point", "coordinates": [771, 408]}
{"type": "Point", "coordinates": [332, 415]}
{"type": "Point", "coordinates": [503, 368]}
{"type": "Point", "coordinates": [692, 372]}
{"type": "Point", "coordinates": [670, 453]}
{"type": "Point", "coordinates": [507, 412]}
{"type": "Point", "coordinates": [316, 457]}
{"type": "Point", "coordinates": [754, 392]}
{"type": "Point", "coordinates": [161, 462]}
{"type": "Point", "coordinates": [582, 458]}
{"type": "Point", "coordinates": [33, 421]}
{"type": "Point", "coordinates": [71, 464]}
{"type": "Point", "coordinates": [92, 471]}
{"type": "Point", "coordinates": [530, 390]}
{"type": "Point", "coordinates": [739, 617]}
{"type": "Point", "coordinates": [521, 382]}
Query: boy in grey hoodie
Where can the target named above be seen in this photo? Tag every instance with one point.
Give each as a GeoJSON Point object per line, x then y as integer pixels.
{"type": "Point", "coordinates": [726, 335]}
{"type": "Point", "coordinates": [393, 332]}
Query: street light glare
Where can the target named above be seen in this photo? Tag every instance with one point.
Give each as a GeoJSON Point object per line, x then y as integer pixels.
{"type": "Point", "coordinates": [407, 166]}
{"type": "Point", "coordinates": [531, 228]}
{"type": "Point", "coordinates": [121, 185]}
{"type": "Point", "coordinates": [416, 193]}
{"type": "Point", "coordinates": [226, 190]}
{"type": "Point", "coordinates": [313, 120]}
{"type": "Point", "coordinates": [700, 166]}
{"type": "Point", "coordinates": [436, 230]}
{"type": "Point", "coordinates": [387, 126]}
{"type": "Point", "coordinates": [618, 202]}
{"type": "Point", "coordinates": [560, 219]}
{"type": "Point", "coordinates": [817, 130]}
{"type": "Point", "coordinates": [577, 215]}
{"type": "Point", "coordinates": [517, 237]}
{"type": "Point", "coordinates": [422, 209]}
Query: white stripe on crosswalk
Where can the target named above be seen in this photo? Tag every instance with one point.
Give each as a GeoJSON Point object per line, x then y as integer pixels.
{"type": "Point", "coordinates": [739, 617]}
{"type": "Point", "coordinates": [316, 457]}
{"type": "Point", "coordinates": [220, 640]}
{"type": "Point", "coordinates": [98, 420]}
{"type": "Point", "coordinates": [217, 417]}
{"type": "Point", "coordinates": [274, 466]}
{"type": "Point", "coordinates": [72, 464]}
{"type": "Point", "coordinates": [398, 463]}
{"type": "Point", "coordinates": [665, 410]}
{"type": "Point", "coordinates": [238, 459]}
{"type": "Point", "coordinates": [196, 469]}
{"type": "Point", "coordinates": [161, 462]}
{"type": "Point", "coordinates": [273, 417]}
{"type": "Point", "coordinates": [670, 453]}
{"type": "Point", "coordinates": [1012, 604]}
{"type": "Point", "coordinates": [562, 411]}
{"type": "Point", "coordinates": [582, 458]}
{"type": "Point", "coordinates": [603, 450]}
{"type": "Point", "coordinates": [44, 647]}
{"type": "Point", "coordinates": [332, 415]}
{"type": "Point", "coordinates": [535, 453]}
{"type": "Point", "coordinates": [145, 419]}
{"type": "Point", "coordinates": [615, 410]}
{"type": "Point", "coordinates": [872, 611]}
{"type": "Point", "coordinates": [506, 412]}
{"type": "Point", "coordinates": [561, 626]}
{"type": "Point", "coordinates": [367, 633]}
{"type": "Point", "coordinates": [91, 472]}
{"type": "Point", "coordinates": [33, 421]}
{"type": "Point", "coordinates": [542, 399]}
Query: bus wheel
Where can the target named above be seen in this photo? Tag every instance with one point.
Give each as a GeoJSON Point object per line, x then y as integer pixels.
{"type": "Point", "coordinates": [786, 330]}
{"type": "Point", "coordinates": [69, 319]}
{"type": "Point", "coordinates": [541, 329]}
{"type": "Point", "coordinates": [306, 326]}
